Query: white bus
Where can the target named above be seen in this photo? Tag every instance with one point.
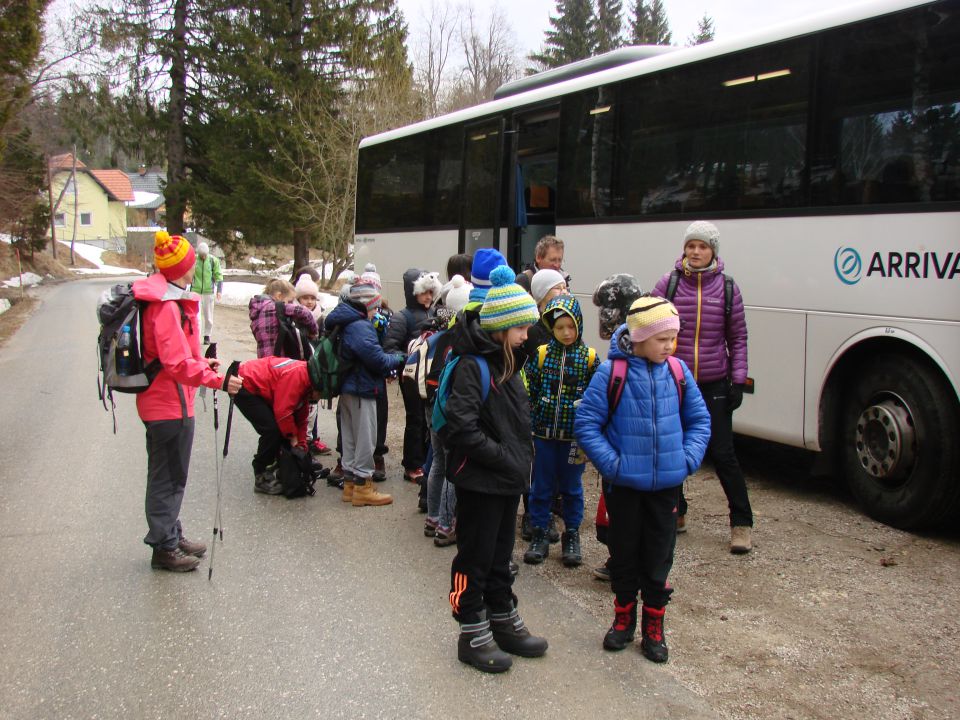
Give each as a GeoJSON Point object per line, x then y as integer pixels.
{"type": "Point", "coordinates": [828, 153]}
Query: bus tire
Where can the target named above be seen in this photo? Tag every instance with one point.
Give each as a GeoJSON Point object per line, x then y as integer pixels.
{"type": "Point", "coordinates": [900, 451]}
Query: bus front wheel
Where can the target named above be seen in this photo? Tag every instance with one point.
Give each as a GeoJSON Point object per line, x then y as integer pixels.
{"type": "Point", "coordinates": [901, 452]}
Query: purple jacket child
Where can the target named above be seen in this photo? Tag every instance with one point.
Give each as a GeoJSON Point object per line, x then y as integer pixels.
{"type": "Point", "coordinates": [713, 345]}
{"type": "Point", "coordinates": [263, 322]}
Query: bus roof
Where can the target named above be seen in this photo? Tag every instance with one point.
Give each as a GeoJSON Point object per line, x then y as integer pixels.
{"type": "Point", "coordinates": [781, 31]}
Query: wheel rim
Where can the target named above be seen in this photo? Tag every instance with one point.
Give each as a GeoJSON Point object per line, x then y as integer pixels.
{"type": "Point", "coordinates": [886, 439]}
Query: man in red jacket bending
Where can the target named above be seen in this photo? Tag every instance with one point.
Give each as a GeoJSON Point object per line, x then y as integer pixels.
{"type": "Point", "coordinates": [166, 407]}
{"type": "Point", "coordinates": [275, 399]}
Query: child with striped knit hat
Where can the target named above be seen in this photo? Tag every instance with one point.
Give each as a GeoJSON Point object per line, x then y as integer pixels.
{"type": "Point", "coordinates": [488, 459]}
{"type": "Point", "coordinates": [653, 436]}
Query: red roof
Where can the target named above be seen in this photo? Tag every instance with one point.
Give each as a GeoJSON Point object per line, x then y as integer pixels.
{"type": "Point", "coordinates": [65, 162]}
{"type": "Point", "coordinates": [116, 182]}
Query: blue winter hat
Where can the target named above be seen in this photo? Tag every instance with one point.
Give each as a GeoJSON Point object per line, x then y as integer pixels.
{"type": "Point", "coordinates": [485, 260]}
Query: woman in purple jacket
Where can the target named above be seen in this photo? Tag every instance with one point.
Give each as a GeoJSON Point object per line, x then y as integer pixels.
{"type": "Point", "coordinates": [713, 343]}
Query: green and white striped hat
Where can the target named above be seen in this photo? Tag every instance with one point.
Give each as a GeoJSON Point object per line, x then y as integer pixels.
{"type": "Point", "coordinates": [507, 304]}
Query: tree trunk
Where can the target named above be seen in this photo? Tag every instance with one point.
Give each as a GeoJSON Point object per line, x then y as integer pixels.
{"type": "Point", "coordinates": [176, 144]}
{"type": "Point", "coordinates": [301, 249]}
{"type": "Point", "coordinates": [53, 209]}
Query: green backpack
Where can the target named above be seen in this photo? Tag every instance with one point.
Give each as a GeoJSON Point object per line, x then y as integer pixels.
{"type": "Point", "coordinates": [327, 368]}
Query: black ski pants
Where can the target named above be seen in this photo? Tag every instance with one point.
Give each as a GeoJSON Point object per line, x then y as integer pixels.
{"type": "Point", "coordinates": [641, 539]}
{"type": "Point", "coordinates": [480, 573]}
{"type": "Point", "coordinates": [258, 411]}
{"type": "Point", "coordinates": [722, 454]}
{"type": "Point", "coordinates": [415, 430]}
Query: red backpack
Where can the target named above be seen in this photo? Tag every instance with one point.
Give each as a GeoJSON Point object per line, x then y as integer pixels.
{"type": "Point", "coordinates": [615, 385]}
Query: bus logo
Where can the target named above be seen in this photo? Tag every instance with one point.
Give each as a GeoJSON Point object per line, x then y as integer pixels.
{"type": "Point", "coordinates": [847, 265]}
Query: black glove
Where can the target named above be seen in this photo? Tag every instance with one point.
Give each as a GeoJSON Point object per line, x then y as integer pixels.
{"type": "Point", "coordinates": [735, 396]}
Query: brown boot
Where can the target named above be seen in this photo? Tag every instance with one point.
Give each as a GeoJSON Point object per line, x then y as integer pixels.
{"type": "Point", "coordinates": [740, 541]}
{"type": "Point", "coordinates": [189, 547]}
{"type": "Point", "coordinates": [347, 489]}
{"type": "Point", "coordinates": [365, 494]}
{"type": "Point", "coordinates": [379, 468]}
{"type": "Point", "coordinates": [173, 560]}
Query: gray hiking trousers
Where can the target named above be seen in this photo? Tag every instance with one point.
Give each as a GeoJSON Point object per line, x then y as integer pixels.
{"type": "Point", "coordinates": [358, 434]}
{"type": "Point", "coordinates": [168, 459]}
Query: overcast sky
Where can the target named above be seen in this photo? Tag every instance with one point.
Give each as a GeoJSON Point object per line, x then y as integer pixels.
{"type": "Point", "coordinates": [530, 18]}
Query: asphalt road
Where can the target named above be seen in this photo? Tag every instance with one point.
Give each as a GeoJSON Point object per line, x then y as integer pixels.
{"type": "Point", "coordinates": [315, 609]}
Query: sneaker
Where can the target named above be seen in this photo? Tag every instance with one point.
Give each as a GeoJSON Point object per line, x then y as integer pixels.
{"type": "Point", "coordinates": [740, 539]}
{"type": "Point", "coordinates": [173, 560]}
{"type": "Point", "coordinates": [430, 527]}
{"type": "Point", "coordinates": [445, 537]}
{"type": "Point", "coordinates": [318, 448]}
{"type": "Point", "coordinates": [602, 573]}
{"type": "Point", "coordinates": [267, 483]}
{"type": "Point", "coordinates": [514, 569]}
{"type": "Point", "coordinates": [413, 475]}
{"type": "Point", "coordinates": [681, 524]}
{"type": "Point", "coordinates": [335, 482]}
{"type": "Point", "coordinates": [188, 547]}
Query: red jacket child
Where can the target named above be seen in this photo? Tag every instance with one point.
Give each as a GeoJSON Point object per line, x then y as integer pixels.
{"type": "Point", "coordinates": [286, 386]}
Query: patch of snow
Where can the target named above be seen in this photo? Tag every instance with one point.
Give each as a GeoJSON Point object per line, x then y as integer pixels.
{"type": "Point", "coordinates": [94, 254]}
{"type": "Point", "coordinates": [256, 261]}
{"type": "Point", "coordinates": [29, 279]}
{"type": "Point", "coordinates": [238, 294]}
{"type": "Point", "coordinates": [8, 239]}
{"type": "Point", "coordinates": [4, 305]}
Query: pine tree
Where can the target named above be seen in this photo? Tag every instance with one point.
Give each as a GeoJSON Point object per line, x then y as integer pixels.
{"type": "Point", "coordinates": [20, 23]}
{"type": "Point", "coordinates": [609, 21]}
{"type": "Point", "coordinates": [572, 36]}
{"type": "Point", "coordinates": [648, 24]}
{"type": "Point", "coordinates": [705, 31]}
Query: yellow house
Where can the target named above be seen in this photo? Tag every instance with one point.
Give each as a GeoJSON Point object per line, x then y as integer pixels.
{"type": "Point", "coordinates": [99, 203]}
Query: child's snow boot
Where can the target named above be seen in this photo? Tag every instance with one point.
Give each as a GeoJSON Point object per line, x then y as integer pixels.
{"type": "Point", "coordinates": [512, 636]}
{"type": "Point", "coordinates": [477, 648]}
{"type": "Point", "coordinates": [365, 494]}
{"type": "Point", "coordinates": [570, 548]}
{"type": "Point", "coordinates": [652, 644]}
{"type": "Point", "coordinates": [624, 626]}
{"type": "Point", "coordinates": [539, 547]}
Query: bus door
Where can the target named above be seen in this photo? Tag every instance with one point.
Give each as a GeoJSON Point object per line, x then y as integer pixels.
{"type": "Point", "coordinates": [533, 182]}
{"type": "Point", "coordinates": [482, 206]}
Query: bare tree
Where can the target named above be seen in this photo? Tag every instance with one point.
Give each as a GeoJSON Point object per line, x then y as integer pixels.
{"type": "Point", "coordinates": [490, 58]}
{"type": "Point", "coordinates": [432, 52]}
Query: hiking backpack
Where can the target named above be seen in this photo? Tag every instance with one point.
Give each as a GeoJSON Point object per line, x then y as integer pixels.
{"type": "Point", "coordinates": [295, 472]}
{"type": "Point", "coordinates": [615, 385]}
{"type": "Point", "coordinates": [117, 308]}
{"type": "Point", "coordinates": [727, 291]}
{"type": "Point", "coordinates": [439, 417]}
{"type": "Point", "coordinates": [292, 341]}
{"type": "Point", "coordinates": [327, 368]}
{"type": "Point", "coordinates": [420, 353]}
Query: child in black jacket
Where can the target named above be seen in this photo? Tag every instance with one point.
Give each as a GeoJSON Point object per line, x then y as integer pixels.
{"type": "Point", "coordinates": [488, 458]}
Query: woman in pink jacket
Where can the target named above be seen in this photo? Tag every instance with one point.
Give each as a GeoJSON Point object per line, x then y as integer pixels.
{"type": "Point", "coordinates": [713, 343]}
{"type": "Point", "coordinates": [170, 334]}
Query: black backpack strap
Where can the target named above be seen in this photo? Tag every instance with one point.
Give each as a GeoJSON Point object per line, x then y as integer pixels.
{"type": "Point", "coordinates": [672, 285]}
{"type": "Point", "coordinates": [279, 311]}
{"type": "Point", "coordinates": [727, 295]}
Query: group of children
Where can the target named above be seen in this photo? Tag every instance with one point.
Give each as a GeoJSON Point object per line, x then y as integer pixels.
{"type": "Point", "coordinates": [506, 406]}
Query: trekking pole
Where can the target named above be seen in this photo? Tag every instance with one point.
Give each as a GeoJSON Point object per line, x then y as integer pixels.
{"type": "Point", "coordinates": [209, 354]}
{"type": "Point", "coordinates": [218, 514]}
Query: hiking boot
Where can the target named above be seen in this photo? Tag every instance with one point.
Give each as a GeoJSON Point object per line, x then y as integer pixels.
{"type": "Point", "coordinates": [602, 572]}
{"type": "Point", "coordinates": [512, 636]}
{"type": "Point", "coordinates": [337, 472]}
{"type": "Point", "coordinates": [740, 539]}
{"type": "Point", "coordinates": [445, 537]}
{"type": "Point", "coordinates": [624, 626]}
{"type": "Point", "coordinates": [379, 469]}
{"type": "Point", "coordinates": [173, 560]}
{"type": "Point", "coordinates": [188, 547]}
{"type": "Point", "coordinates": [334, 483]}
{"type": "Point", "coordinates": [365, 494]}
{"type": "Point", "coordinates": [526, 533]}
{"type": "Point", "coordinates": [539, 548]}
{"type": "Point", "coordinates": [348, 487]}
{"type": "Point", "coordinates": [413, 475]}
{"type": "Point", "coordinates": [266, 482]}
{"type": "Point", "coordinates": [476, 647]}
{"type": "Point", "coordinates": [318, 448]}
{"type": "Point", "coordinates": [430, 527]}
{"type": "Point", "coordinates": [681, 524]}
{"type": "Point", "coordinates": [570, 552]}
{"type": "Point", "coordinates": [513, 568]}
{"type": "Point", "coordinates": [553, 535]}
{"type": "Point", "coordinates": [652, 644]}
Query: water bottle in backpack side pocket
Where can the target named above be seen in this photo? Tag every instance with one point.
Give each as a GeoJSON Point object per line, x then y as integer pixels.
{"type": "Point", "coordinates": [123, 352]}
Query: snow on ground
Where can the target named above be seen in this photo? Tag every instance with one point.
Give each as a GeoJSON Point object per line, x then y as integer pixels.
{"type": "Point", "coordinates": [238, 294]}
{"type": "Point", "coordinates": [29, 279]}
{"type": "Point", "coordinates": [93, 254]}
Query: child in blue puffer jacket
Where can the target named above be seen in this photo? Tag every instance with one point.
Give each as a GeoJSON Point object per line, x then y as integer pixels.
{"type": "Point", "coordinates": [643, 449]}
{"type": "Point", "coordinates": [556, 379]}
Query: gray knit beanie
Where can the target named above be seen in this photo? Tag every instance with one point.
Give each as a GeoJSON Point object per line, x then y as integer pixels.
{"type": "Point", "coordinates": [706, 232]}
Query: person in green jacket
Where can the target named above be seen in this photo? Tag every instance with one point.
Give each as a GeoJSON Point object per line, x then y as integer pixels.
{"type": "Point", "coordinates": [207, 277]}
